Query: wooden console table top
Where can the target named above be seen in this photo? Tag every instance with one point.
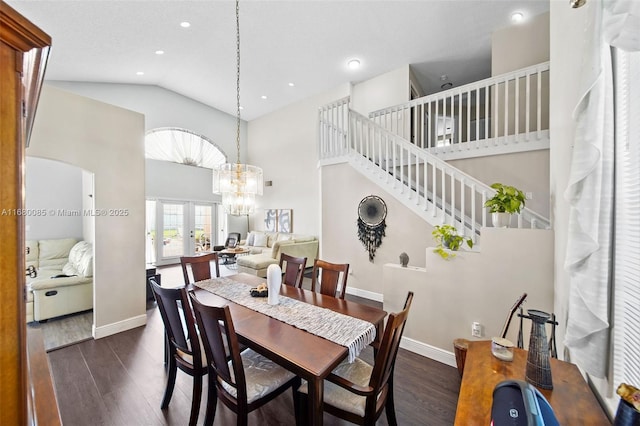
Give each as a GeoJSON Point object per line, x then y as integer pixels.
{"type": "Point", "coordinates": [572, 400]}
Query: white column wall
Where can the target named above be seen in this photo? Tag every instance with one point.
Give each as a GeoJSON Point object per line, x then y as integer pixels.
{"type": "Point", "coordinates": [108, 141]}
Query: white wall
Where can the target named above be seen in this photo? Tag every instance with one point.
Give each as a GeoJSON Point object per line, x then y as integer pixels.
{"type": "Point", "coordinates": [284, 144]}
{"type": "Point", "coordinates": [178, 181]}
{"type": "Point", "coordinates": [164, 108]}
{"type": "Point", "coordinates": [449, 295]}
{"type": "Point", "coordinates": [528, 171]}
{"type": "Point", "coordinates": [383, 91]}
{"type": "Point", "coordinates": [108, 141]}
{"type": "Point", "coordinates": [343, 189]}
{"type": "Point", "coordinates": [54, 188]}
{"type": "Point", "coordinates": [520, 45]}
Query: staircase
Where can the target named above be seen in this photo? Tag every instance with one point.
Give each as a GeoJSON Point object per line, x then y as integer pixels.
{"type": "Point", "coordinates": [403, 148]}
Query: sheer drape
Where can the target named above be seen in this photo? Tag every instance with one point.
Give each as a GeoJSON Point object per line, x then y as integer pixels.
{"type": "Point", "coordinates": [182, 146]}
{"type": "Point", "coordinates": [591, 187]}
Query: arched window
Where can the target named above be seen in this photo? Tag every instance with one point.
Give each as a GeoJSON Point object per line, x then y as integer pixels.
{"type": "Point", "coordinates": [183, 147]}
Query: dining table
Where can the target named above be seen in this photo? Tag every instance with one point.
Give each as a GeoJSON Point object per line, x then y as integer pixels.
{"type": "Point", "coordinates": [309, 356]}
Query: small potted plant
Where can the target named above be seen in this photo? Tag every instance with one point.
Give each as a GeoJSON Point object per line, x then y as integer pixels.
{"type": "Point", "coordinates": [447, 237]}
{"type": "Point", "coordinates": [506, 201]}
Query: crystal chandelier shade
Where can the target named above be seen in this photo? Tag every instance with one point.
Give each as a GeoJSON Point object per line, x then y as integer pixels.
{"type": "Point", "coordinates": [238, 183]}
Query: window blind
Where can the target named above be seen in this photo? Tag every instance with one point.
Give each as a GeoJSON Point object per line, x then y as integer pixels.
{"type": "Point", "coordinates": [626, 337]}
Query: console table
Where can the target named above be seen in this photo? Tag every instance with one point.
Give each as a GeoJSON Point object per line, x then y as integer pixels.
{"type": "Point", "coordinates": [572, 400]}
{"type": "Point", "coordinates": [151, 273]}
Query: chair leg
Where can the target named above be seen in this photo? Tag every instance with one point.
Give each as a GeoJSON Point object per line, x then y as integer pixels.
{"type": "Point", "coordinates": [212, 400]}
{"type": "Point", "coordinates": [300, 409]}
{"type": "Point", "coordinates": [243, 418]}
{"type": "Point", "coordinates": [296, 399]}
{"type": "Point", "coordinates": [172, 369]}
{"type": "Point", "coordinates": [195, 399]}
{"type": "Point", "coordinates": [390, 406]}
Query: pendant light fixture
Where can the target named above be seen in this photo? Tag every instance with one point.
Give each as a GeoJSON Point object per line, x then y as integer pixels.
{"type": "Point", "coordinates": [238, 183]}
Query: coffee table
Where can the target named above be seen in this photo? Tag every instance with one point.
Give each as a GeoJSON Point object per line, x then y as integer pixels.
{"type": "Point", "coordinates": [229, 256]}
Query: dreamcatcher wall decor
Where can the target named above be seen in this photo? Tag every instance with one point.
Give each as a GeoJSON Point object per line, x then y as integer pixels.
{"type": "Point", "coordinates": [372, 212]}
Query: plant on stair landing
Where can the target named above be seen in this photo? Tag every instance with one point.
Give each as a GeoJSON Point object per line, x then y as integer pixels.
{"type": "Point", "coordinates": [447, 237]}
{"type": "Point", "coordinates": [507, 199]}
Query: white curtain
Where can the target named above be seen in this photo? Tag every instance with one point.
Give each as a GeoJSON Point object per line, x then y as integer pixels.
{"type": "Point", "coordinates": [591, 186]}
{"type": "Point", "coordinates": [183, 147]}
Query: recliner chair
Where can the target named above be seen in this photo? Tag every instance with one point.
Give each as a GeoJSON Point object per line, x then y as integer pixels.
{"type": "Point", "coordinates": [233, 239]}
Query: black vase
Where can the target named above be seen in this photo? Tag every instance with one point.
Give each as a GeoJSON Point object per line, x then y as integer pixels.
{"type": "Point", "coordinates": [538, 371]}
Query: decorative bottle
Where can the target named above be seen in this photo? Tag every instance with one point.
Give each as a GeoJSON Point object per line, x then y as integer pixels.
{"type": "Point", "coordinates": [274, 280]}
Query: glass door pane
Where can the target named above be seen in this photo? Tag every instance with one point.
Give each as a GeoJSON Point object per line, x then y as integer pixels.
{"type": "Point", "coordinates": [203, 228]}
{"type": "Point", "coordinates": [173, 232]}
{"type": "Point", "coordinates": [150, 231]}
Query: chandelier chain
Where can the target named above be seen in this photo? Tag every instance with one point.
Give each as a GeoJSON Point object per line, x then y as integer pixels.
{"type": "Point", "coordinates": [238, 80]}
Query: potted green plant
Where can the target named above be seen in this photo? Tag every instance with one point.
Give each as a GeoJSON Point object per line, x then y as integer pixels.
{"type": "Point", "coordinates": [506, 201]}
{"type": "Point", "coordinates": [447, 237]}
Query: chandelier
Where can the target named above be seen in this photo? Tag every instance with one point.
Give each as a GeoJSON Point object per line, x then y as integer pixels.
{"type": "Point", "coordinates": [238, 183]}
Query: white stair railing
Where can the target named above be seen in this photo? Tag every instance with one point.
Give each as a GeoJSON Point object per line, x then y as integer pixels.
{"type": "Point", "coordinates": [428, 185]}
{"type": "Point", "coordinates": [505, 113]}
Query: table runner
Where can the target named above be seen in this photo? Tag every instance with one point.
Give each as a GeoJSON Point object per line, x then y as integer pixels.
{"type": "Point", "coordinates": [353, 333]}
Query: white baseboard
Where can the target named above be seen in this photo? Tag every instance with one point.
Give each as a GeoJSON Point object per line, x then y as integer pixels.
{"type": "Point", "coordinates": [412, 345]}
{"type": "Point", "coordinates": [118, 327]}
{"type": "Point", "coordinates": [429, 351]}
{"type": "Point", "coordinates": [378, 297]}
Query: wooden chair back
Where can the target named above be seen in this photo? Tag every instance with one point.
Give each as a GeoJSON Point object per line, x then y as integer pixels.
{"type": "Point", "coordinates": [378, 393]}
{"type": "Point", "coordinates": [182, 343]}
{"type": "Point", "coordinates": [200, 267]}
{"type": "Point", "coordinates": [177, 317]}
{"type": "Point", "coordinates": [333, 278]}
{"type": "Point", "coordinates": [293, 269]}
{"type": "Point", "coordinates": [386, 357]}
{"type": "Point", "coordinates": [221, 345]}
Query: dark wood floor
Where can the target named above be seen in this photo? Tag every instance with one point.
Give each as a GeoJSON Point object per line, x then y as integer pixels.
{"type": "Point", "coordinates": [120, 380]}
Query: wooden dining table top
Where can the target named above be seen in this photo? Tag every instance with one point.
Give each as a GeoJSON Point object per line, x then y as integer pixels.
{"type": "Point", "coordinates": [303, 353]}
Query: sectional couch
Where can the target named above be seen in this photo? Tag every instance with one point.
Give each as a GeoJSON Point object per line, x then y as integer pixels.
{"type": "Point", "coordinates": [265, 249]}
{"type": "Point", "coordinates": [64, 281]}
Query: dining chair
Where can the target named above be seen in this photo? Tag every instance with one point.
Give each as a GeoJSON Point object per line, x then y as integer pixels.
{"type": "Point", "coordinates": [183, 347]}
{"type": "Point", "coordinates": [358, 392]}
{"type": "Point", "coordinates": [243, 381]}
{"type": "Point", "coordinates": [200, 267]}
{"type": "Point", "coordinates": [333, 278]}
{"type": "Point", "coordinates": [293, 269]}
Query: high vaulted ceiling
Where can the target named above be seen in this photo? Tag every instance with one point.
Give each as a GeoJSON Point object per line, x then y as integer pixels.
{"type": "Point", "coordinates": [307, 43]}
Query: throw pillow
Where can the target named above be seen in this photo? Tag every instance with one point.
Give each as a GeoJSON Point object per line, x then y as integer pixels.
{"type": "Point", "coordinates": [260, 240]}
{"type": "Point", "coordinates": [251, 238]}
{"type": "Point", "coordinates": [284, 237]}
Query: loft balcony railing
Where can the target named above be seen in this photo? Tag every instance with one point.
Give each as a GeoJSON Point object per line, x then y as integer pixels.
{"type": "Point", "coordinates": [425, 183]}
{"type": "Point", "coordinates": [505, 113]}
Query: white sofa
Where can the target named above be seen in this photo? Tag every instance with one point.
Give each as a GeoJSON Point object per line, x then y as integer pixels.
{"type": "Point", "coordinates": [64, 281]}
{"type": "Point", "coordinates": [265, 249]}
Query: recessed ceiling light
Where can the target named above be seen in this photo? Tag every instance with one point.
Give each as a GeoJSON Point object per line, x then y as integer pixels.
{"type": "Point", "coordinates": [241, 107]}
{"type": "Point", "coordinates": [291, 84]}
{"type": "Point", "coordinates": [517, 17]}
{"type": "Point", "coordinates": [264, 96]}
{"type": "Point", "coordinates": [159, 52]}
{"type": "Point", "coordinates": [140, 73]}
{"type": "Point", "coordinates": [353, 64]}
{"type": "Point", "coordinates": [185, 24]}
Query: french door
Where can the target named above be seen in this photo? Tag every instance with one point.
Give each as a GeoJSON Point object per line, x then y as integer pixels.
{"type": "Point", "coordinates": [178, 228]}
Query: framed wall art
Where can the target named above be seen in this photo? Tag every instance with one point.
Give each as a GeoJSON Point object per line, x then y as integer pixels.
{"type": "Point", "coordinates": [285, 223]}
{"type": "Point", "coordinates": [271, 220]}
